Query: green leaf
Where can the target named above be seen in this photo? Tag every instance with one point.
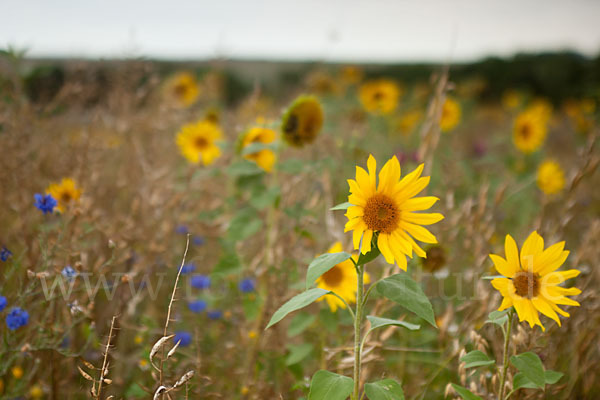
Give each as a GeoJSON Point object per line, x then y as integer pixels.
{"type": "Point", "coordinates": [401, 289]}
{"type": "Point", "coordinates": [497, 317]}
{"type": "Point", "coordinates": [370, 256]}
{"type": "Point", "coordinates": [243, 225]}
{"type": "Point", "coordinates": [551, 377]}
{"type": "Point", "coordinates": [298, 353]}
{"type": "Point", "coordinates": [299, 323]}
{"type": "Point", "coordinates": [476, 358]}
{"type": "Point", "coordinates": [295, 303]}
{"type": "Point", "coordinates": [465, 393]}
{"type": "Point", "coordinates": [386, 389]}
{"type": "Point", "coordinates": [244, 168]}
{"type": "Point", "coordinates": [326, 385]}
{"type": "Point", "coordinates": [521, 381]}
{"type": "Point", "coordinates": [531, 366]}
{"type": "Point", "coordinates": [377, 322]}
{"type": "Point", "coordinates": [256, 147]}
{"type": "Point", "coordinates": [322, 264]}
{"type": "Point", "coordinates": [341, 206]}
{"type": "Point", "coordinates": [228, 262]}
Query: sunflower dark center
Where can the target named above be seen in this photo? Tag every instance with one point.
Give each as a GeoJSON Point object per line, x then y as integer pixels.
{"type": "Point", "coordinates": [527, 284]}
{"type": "Point", "coordinates": [526, 131]}
{"type": "Point", "coordinates": [201, 143]}
{"type": "Point", "coordinates": [333, 277]}
{"type": "Point", "coordinates": [180, 90]}
{"type": "Point", "coordinates": [66, 197]}
{"type": "Point", "coordinates": [378, 96]}
{"type": "Point", "coordinates": [381, 214]}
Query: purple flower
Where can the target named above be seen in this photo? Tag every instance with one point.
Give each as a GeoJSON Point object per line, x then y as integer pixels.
{"type": "Point", "coordinates": [184, 337]}
{"type": "Point", "coordinates": [200, 281]}
{"type": "Point", "coordinates": [45, 203]}
{"type": "Point", "coordinates": [5, 254]}
{"type": "Point", "coordinates": [198, 240]}
{"type": "Point", "coordinates": [69, 273]}
{"type": "Point", "coordinates": [16, 318]}
{"type": "Point", "coordinates": [181, 229]}
{"type": "Point", "coordinates": [214, 314]}
{"type": "Point", "coordinates": [3, 303]}
{"type": "Point", "coordinates": [187, 268]}
{"type": "Point", "coordinates": [247, 285]}
{"type": "Point", "coordinates": [197, 306]}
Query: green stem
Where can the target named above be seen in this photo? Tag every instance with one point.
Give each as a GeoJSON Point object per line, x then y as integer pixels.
{"type": "Point", "coordinates": [357, 329]}
{"type": "Point", "coordinates": [505, 361]}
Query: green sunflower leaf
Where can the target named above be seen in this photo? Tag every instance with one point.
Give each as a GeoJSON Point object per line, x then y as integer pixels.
{"type": "Point", "coordinates": [298, 352]}
{"type": "Point", "coordinates": [295, 303]}
{"type": "Point", "coordinates": [341, 206]}
{"type": "Point", "coordinates": [476, 358]}
{"type": "Point", "coordinates": [497, 317]}
{"type": "Point", "coordinates": [465, 393]}
{"type": "Point", "coordinates": [386, 389]}
{"type": "Point", "coordinates": [377, 322]}
{"type": "Point", "coordinates": [322, 264]}
{"type": "Point", "coordinates": [521, 381]}
{"type": "Point", "coordinates": [299, 323]}
{"type": "Point", "coordinates": [256, 147]}
{"type": "Point", "coordinates": [326, 385]}
{"type": "Point", "coordinates": [370, 256]}
{"type": "Point", "coordinates": [531, 366]}
{"type": "Point", "coordinates": [401, 289]}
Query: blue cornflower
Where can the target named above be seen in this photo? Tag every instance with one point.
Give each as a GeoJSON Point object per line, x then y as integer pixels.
{"type": "Point", "coordinates": [214, 314]}
{"type": "Point", "coordinates": [187, 268]}
{"type": "Point", "coordinates": [198, 240]}
{"type": "Point", "coordinates": [69, 273]}
{"type": "Point", "coordinates": [185, 337]}
{"type": "Point", "coordinates": [197, 306]}
{"type": "Point", "coordinates": [182, 229]}
{"type": "Point", "coordinates": [247, 285]}
{"type": "Point", "coordinates": [45, 203]}
{"type": "Point", "coordinates": [5, 254]}
{"type": "Point", "coordinates": [200, 281]}
{"type": "Point", "coordinates": [3, 303]}
{"type": "Point", "coordinates": [16, 318]}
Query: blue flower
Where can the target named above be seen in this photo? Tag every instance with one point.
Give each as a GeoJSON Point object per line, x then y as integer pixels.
{"type": "Point", "coordinates": [45, 203]}
{"type": "Point", "coordinates": [187, 268]}
{"type": "Point", "coordinates": [2, 303]}
{"type": "Point", "coordinates": [69, 273]}
{"type": "Point", "coordinates": [247, 285]}
{"type": "Point", "coordinates": [16, 318]}
{"type": "Point", "coordinates": [197, 306]}
{"type": "Point", "coordinates": [215, 314]}
{"type": "Point", "coordinates": [185, 337]}
{"type": "Point", "coordinates": [198, 240]}
{"type": "Point", "coordinates": [5, 254]}
{"type": "Point", "coordinates": [182, 229]}
{"type": "Point", "coordinates": [200, 281]}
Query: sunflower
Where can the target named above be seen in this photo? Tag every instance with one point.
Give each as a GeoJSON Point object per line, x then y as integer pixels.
{"type": "Point", "coordinates": [183, 88]}
{"type": "Point", "coordinates": [341, 279]}
{"type": "Point", "coordinates": [550, 177]}
{"type": "Point", "coordinates": [263, 158]}
{"type": "Point", "coordinates": [65, 193]}
{"type": "Point", "coordinates": [302, 121]}
{"type": "Point", "coordinates": [350, 75]}
{"type": "Point", "coordinates": [529, 131]}
{"type": "Point", "coordinates": [407, 123]}
{"type": "Point", "coordinates": [511, 99]}
{"type": "Point", "coordinates": [531, 279]}
{"type": "Point", "coordinates": [451, 114]}
{"type": "Point", "coordinates": [387, 211]}
{"type": "Point", "coordinates": [379, 96]}
{"type": "Point", "coordinates": [196, 142]}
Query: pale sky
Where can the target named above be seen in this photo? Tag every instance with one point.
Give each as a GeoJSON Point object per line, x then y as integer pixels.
{"type": "Point", "coordinates": [323, 30]}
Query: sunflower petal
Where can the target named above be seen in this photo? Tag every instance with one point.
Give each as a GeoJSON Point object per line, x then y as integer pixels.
{"type": "Point", "coordinates": [503, 267]}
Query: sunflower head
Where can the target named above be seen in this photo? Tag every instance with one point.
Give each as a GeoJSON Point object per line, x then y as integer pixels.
{"type": "Point", "coordinates": [183, 88]}
{"type": "Point", "coordinates": [387, 211]}
{"type": "Point", "coordinates": [451, 114]}
{"type": "Point", "coordinates": [529, 131]}
{"type": "Point", "coordinates": [302, 121]}
{"type": "Point", "coordinates": [341, 279]}
{"type": "Point", "coordinates": [531, 280]}
{"type": "Point", "coordinates": [379, 96]}
{"type": "Point", "coordinates": [264, 158]}
{"type": "Point", "coordinates": [65, 192]}
{"type": "Point", "coordinates": [550, 177]}
{"type": "Point", "coordinates": [350, 75]}
{"type": "Point", "coordinates": [197, 142]}
{"type": "Point", "coordinates": [511, 99]}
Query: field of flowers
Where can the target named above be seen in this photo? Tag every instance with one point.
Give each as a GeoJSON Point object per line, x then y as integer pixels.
{"type": "Point", "coordinates": [345, 235]}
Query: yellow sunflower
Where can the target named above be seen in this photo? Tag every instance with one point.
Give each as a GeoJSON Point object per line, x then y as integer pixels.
{"type": "Point", "coordinates": [529, 131]}
{"type": "Point", "coordinates": [65, 193]}
{"type": "Point", "coordinates": [183, 88]}
{"type": "Point", "coordinates": [407, 123]}
{"type": "Point", "coordinates": [388, 211]}
{"type": "Point", "coordinates": [451, 114]}
{"type": "Point", "coordinates": [379, 96]}
{"type": "Point", "coordinates": [531, 279]}
{"type": "Point", "coordinates": [341, 279]}
{"type": "Point", "coordinates": [512, 99]}
{"type": "Point", "coordinates": [302, 121]}
{"type": "Point", "coordinates": [264, 158]}
{"type": "Point", "coordinates": [550, 177]}
{"type": "Point", "coordinates": [351, 75]}
{"type": "Point", "coordinates": [196, 142]}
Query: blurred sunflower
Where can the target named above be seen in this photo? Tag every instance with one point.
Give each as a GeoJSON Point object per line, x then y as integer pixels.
{"type": "Point", "coordinates": [511, 99]}
{"type": "Point", "coordinates": [196, 142]}
{"type": "Point", "coordinates": [264, 158]}
{"type": "Point", "coordinates": [65, 193]}
{"type": "Point", "coordinates": [341, 279]}
{"type": "Point", "coordinates": [542, 107]}
{"type": "Point", "coordinates": [550, 177]}
{"type": "Point", "coordinates": [351, 75]}
{"type": "Point", "coordinates": [302, 121]}
{"type": "Point", "coordinates": [451, 114]}
{"type": "Point", "coordinates": [387, 211]}
{"type": "Point", "coordinates": [409, 120]}
{"type": "Point", "coordinates": [531, 280]}
{"type": "Point", "coordinates": [529, 131]}
{"type": "Point", "coordinates": [183, 88]}
{"type": "Point", "coordinates": [379, 96]}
